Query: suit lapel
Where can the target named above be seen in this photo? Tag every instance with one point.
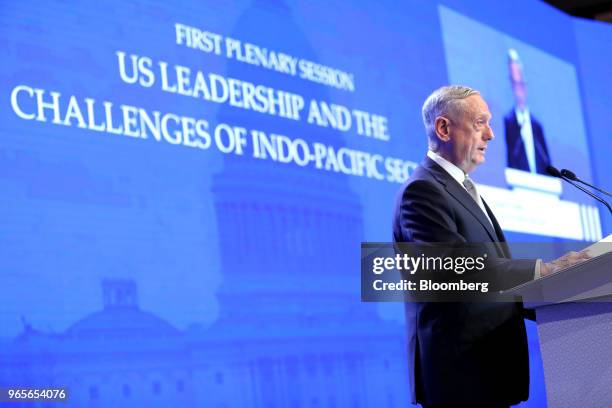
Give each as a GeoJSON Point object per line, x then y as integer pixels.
{"type": "Point", "coordinates": [503, 245]}
{"type": "Point", "coordinates": [468, 202]}
{"type": "Point", "coordinates": [461, 195]}
{"type": "Point", "coordinates": [542, 159]}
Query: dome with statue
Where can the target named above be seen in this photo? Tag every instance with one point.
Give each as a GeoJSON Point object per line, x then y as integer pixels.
{"type": "Point", "coordinates": [121, 317]}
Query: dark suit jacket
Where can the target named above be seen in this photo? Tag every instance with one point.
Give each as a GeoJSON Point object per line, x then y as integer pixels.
{"type": "Point", "coordinates": [470, 354]}
{"type": "Point", "coordinates": [515, 148]}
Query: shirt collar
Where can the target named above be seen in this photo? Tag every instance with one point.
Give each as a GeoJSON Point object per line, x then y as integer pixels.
{"type": "Point", "coordinates": [521, 115]}
{"type": "Point", "coordinates": [454, 171]}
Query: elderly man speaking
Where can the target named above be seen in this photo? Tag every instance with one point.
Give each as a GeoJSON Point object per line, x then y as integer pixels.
{"type": "Point", "coordinates": [463, 354]}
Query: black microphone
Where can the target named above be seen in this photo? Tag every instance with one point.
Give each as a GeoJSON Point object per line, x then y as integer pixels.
{"type": "Point", "coordinates": [570, 175]}
{"type": "Point", "coordinates": [556, 173]}
{"type": "Point", "coordinates": [553, 171]}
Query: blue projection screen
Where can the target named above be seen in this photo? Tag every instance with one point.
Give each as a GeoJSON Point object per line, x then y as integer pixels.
{"type": "Point", "coordinates": [185, 187]}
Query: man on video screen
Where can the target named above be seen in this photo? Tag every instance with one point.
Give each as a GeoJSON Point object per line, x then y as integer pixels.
{"type": "Point", "coordinates": [526, 147]}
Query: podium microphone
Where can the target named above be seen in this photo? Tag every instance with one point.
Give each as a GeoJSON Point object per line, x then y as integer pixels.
{"type": "Point", "coordinates": [553, 171]}
{"type": "Point", "coordinates": [570, 175]}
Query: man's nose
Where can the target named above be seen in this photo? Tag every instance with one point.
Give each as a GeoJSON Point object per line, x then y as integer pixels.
{"type": "Point", "coordinates": [488, 134]}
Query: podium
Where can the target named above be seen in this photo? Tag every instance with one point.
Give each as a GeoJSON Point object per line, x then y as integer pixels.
{"type": "Point", "coordinates": [574, 318]}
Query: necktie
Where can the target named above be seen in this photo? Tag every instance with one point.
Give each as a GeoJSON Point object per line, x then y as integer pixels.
{"type": "Point", "coordinates": [471, 188]}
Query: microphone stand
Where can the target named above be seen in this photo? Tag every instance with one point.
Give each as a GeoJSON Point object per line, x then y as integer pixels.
{"type": "Point", "coordinates": [601, 200]}
{"type": "Point", "coordinates": [601, 190]}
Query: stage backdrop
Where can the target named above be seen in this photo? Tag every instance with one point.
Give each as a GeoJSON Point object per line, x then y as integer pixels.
{"type": "Point", "coordinates": [185, 185]}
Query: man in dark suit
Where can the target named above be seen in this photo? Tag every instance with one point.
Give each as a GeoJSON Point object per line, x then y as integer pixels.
{"type": "Point", "coordinates": [525, 144]}
{"type": "Point", "coordinates": [463, 354]}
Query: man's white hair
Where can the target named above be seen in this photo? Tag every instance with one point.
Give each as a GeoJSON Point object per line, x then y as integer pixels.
{"type": "Point", "coordinates": [445, 101]}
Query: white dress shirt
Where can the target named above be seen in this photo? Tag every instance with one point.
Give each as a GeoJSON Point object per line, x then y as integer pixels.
{"type": "Point", "coordinates": [458, 174]}
{"type": "Point", "coordinates": [523, 118]}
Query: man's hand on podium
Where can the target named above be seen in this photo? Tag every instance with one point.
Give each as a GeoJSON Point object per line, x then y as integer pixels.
{"type": "Point", "coordinates": [567, 260]}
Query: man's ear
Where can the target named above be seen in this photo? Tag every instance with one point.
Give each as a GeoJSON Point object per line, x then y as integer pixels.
{"type": "Point", "coordinates": [442, 128]}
